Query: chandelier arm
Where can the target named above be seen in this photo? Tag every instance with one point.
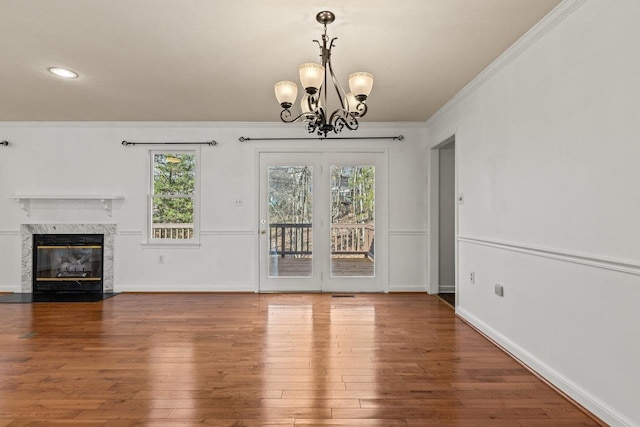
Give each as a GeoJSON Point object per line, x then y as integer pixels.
{"type": "Point", "coordinates": [339, 90]}
{"type": "Point", "coordinates": [312, 103]}
{"type": "Point", "coordinates": [311, 127]}
{"type": "Point", "coordinates": [341, 118]}
{"type": "Point", "coordinates": [314, 123]}
{"type": "Point", "coordinates": [361, 109]}
{"type": "Point", "coordinates": [286, 114]}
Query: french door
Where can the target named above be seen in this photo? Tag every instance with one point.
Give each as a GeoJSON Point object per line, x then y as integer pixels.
{"type": "Point", "coordinates": [322, 222]}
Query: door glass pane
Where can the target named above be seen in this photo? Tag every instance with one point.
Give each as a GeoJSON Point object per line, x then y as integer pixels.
{"type": "Point", "coordinates": [352, 221]}
{"type": "Point", "coordinates": [290, 214]}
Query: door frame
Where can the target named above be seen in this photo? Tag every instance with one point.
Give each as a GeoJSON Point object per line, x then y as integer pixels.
{"type": "Point", "coordinates": [434, 216]}
{"type": "Point", "coordinates": [381, 160]}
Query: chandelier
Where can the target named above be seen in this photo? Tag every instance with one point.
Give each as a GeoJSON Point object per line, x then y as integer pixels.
{"type": "Point", "coordinates": [313, 104]}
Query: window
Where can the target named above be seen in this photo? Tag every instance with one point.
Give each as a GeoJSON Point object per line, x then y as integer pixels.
{"type": "Point", "coordinates": [173, 201]}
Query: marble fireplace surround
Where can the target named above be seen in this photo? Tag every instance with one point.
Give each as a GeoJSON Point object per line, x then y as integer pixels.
{"type": "Point", "coordinates": [28, 230]}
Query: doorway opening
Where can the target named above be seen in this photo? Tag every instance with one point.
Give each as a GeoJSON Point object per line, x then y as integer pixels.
{"type": "Point", "coordinates": [443, 223]}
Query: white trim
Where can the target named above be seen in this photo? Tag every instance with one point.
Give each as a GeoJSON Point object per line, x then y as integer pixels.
{"type": "Point", "coordinates": [420, 288]}
{"type": "Point", "coordinates": [170, 245]}
{"type": "Point", "coordinates": [620, 265]}
{"type": "Point", "coordinates": [130, 233]}
{"type": "Point", "coordinates": [433, 220]}
{"type": "Point", "coordinates": [546, 24]}
{"type": "Point", "coordinates": [25, 201]}
{"type": "Point", "coordinates": [206, 287]}
{"type": "Point", "coordinates": [195, 125]}
{"type": "Point", "coordinates": [321, 150]}
{"type": "Point", "coordinates": [447, 289]}
{"type": "Point", "coordinates": [590, 402]}
{"type": "Point", "coordinates": [228, 233]}
{"type": "Point", "coordinates": [202, 233]}
{"type": "Point", "coordinates": [408, 233]}
{"type": "Point", "coordinates": [9, 232]}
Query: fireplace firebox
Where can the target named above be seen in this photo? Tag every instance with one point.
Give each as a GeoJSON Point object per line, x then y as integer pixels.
{"type": "Point", "coordinates": [68, 263]}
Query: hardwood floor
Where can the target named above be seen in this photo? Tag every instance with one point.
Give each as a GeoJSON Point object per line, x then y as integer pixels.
{"type": "Point", "coordinates": [242, 360]}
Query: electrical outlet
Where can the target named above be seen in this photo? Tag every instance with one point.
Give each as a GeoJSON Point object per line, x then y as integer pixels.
{"type": "Point", "coordinates": [160, 259]}
{"type": "Point", "coordinates": [499, 290]}
{"type": "Point", "coordinates": [472, 277]}
{"type": "Point", "coordinates": [237, 202]}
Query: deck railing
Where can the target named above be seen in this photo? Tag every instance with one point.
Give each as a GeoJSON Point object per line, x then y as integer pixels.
{"type": "Point", "coordinates": [346, 239]}
{"type": "Point", "coordinates": [290, 239]}
{"type": "Point", "coordinates": [172, 231]}
{"type": "Point", "coordinates": [352, 239]}
{"type": "Point", "coordinates": [294, 239]}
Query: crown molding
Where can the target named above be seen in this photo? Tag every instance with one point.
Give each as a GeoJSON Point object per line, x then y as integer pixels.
{"type": "Point", "coordinates": [196, 125]}
{"type": "Point", "coordinates": [546, 24]}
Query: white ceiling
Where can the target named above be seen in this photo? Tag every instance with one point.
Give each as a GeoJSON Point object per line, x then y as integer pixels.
{"type": "Point", "coordinates": [217, 60]}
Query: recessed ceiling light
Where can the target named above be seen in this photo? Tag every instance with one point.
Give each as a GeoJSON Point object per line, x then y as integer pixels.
{"type": "Point", "coordinates": [63, 72]}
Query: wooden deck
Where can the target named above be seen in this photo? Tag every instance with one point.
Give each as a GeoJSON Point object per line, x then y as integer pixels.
{"type": "Point", "coordinates": [356, 266]}
{"type": "Point", "coordinates": [400, 360]}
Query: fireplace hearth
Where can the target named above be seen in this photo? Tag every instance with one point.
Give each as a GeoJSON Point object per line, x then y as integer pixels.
{"type": "Point", "coordinates": [67, 263]}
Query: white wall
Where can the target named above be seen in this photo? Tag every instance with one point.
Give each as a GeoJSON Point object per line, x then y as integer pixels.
{"type": "Point", "coordinates": [88, 159]}
{"type": "Point", "coordinates": [549, 164]}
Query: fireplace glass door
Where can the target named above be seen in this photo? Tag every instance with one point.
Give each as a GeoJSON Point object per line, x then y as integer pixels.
{"type": "Point", "coordinates": [67, 262]}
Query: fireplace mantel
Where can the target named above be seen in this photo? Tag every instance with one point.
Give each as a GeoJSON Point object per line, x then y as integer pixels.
{"type": "Point", "coordinates": [25, 201]}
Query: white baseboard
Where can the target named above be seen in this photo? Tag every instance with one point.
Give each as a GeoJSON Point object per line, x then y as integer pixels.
{"type": "Point", "coordinates": [154, 287]}
{"type": "Point", "coordinates": [408, 288]}
{"type": "Point", "coordinates": [447, 289]}
{"type": "Point", "coordinates": [596, 406]}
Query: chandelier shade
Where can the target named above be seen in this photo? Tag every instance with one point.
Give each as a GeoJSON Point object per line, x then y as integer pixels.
{"type": "Point", "coordinates": [314, 78]}
{"type": "Point", "coordinates": [311, 76]}
{"type": "Point", "coordinates": [361, 84]}
{"type": "Point", "coordinates": [286, 93]}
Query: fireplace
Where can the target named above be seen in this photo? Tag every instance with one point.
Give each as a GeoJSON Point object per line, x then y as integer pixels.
{"type": "Point", "coordinates": [67, 258]}
{"type": "Point", "coordinates": [67, 263]}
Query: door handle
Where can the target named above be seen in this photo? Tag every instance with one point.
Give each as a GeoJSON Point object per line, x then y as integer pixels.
{"type": "Point", "coordinates": [263, 231]}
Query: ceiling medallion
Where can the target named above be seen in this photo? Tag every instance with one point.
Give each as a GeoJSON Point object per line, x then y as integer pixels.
{"type": "Point", "coordinates": [314, 78]}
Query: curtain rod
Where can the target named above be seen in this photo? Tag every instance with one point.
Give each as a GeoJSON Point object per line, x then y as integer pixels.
{"type": "Point", "coordinates": [5, 143]}
{"type": "Point", "coordinates": [210, 143]}
{"type": "Point", "coordinates": [395, 138]}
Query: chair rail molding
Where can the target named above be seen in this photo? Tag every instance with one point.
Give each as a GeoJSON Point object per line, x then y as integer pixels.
{"type": "Point", "coordinates": [620, 265]}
